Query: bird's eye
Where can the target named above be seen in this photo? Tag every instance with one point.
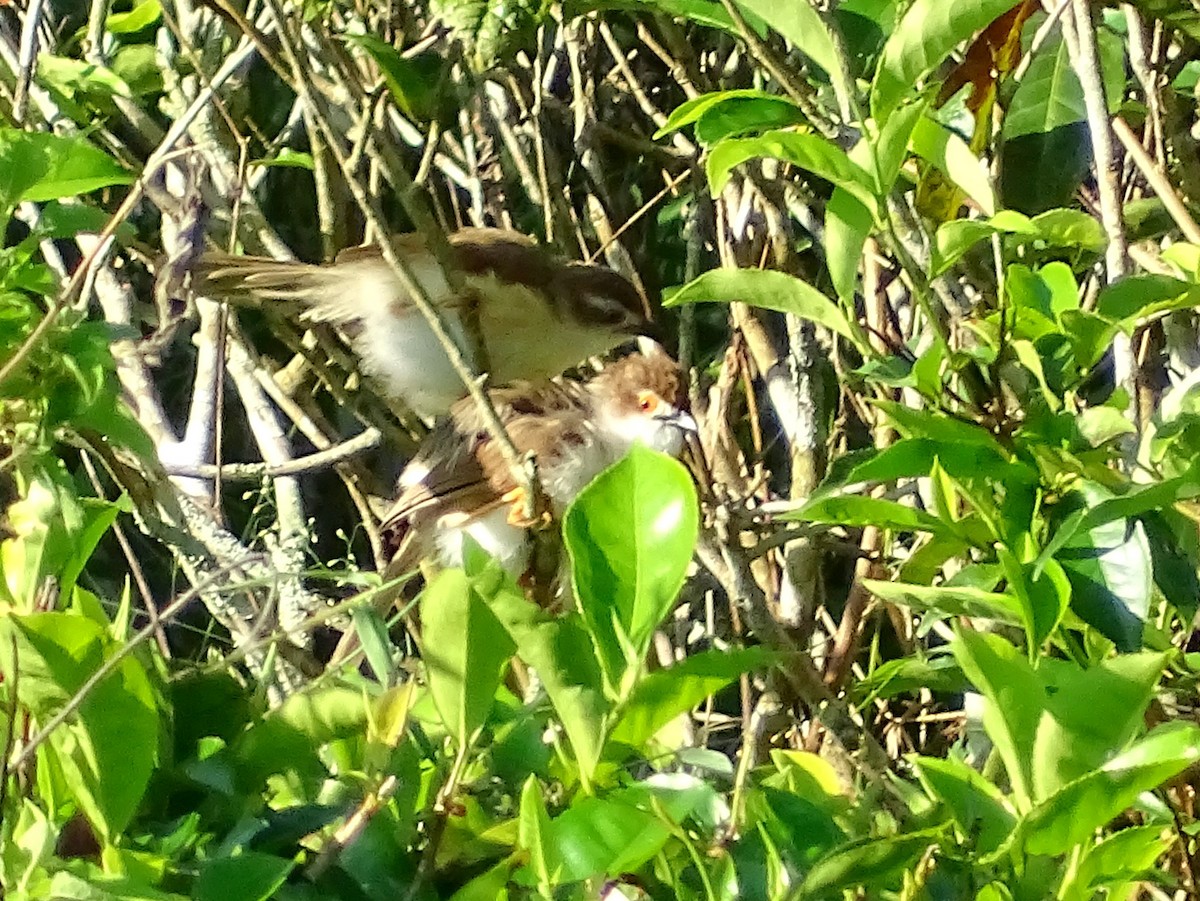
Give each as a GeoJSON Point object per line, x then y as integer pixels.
{"type": "Point", "coordinates": [647, 401]}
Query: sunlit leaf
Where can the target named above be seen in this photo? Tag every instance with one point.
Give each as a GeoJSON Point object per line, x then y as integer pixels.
{"type": "Point", "coordinates": [465, 648]}
{"type": "Point", "coordinates": [767, 289]}
{"type": "Point", "coordinates": [925, 36]}
{"type": "Point", "coordinates": [1072, 814]}
{"type": "Point", "coordinates": [630, 536]}
{"type": "Point", "coordinates": [809, 152]}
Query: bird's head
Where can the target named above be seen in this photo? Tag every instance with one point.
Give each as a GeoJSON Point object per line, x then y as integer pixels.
{"type": "Point", "coordinates": [642, 397]}
{"type": "Point", "coordinates": [601, 298]}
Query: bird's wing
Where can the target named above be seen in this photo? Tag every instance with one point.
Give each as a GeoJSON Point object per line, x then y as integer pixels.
{"type": "Point", "coordinates": [460, 470]}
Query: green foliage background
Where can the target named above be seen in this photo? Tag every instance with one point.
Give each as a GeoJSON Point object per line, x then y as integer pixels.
{"type": "Point", "coordinates": [921, 624]}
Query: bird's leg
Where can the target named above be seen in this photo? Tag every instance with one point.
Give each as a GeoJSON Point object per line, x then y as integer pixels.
{"type": "Point", "coordinates": [515, 498]}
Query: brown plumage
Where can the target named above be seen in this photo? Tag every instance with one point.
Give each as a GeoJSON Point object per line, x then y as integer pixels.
{"type": "Point", "coordinates": [524, 313]}
{"type": "Point", "coordinates": [574, 430]}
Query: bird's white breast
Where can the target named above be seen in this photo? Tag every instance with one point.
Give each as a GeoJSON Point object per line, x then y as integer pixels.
{"type": "Point", "coordinates": [507, 543]}
{"type": "Point", "coordinates": [395, 342]}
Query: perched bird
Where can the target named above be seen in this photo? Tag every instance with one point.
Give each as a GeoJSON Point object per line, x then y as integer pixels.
{"type": "Point", "coordinates": [523, 313]}
{"type": "Point", "coordinates": [459, 483]}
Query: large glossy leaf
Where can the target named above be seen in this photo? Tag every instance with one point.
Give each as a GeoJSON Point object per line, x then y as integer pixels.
{"type": "Point", "coordinates": [662, 695]}
{"type": "Point", "coordinates": [1090, 715]}
{"type": "Point", "coordinates": [564, 656]}
{"type": "Point", "coordinates": [1014, 701]}
{"type": "Point", "coordinates": [979, 809]}
{"type": "Point", "coordinates": [924, 38]}
{"type": "Point", "coordinates": [630, 535]}
{"type": "Point", "coordinates": [1073, 813]}
{"type": "Point", "coordinates": [603, 836]}
{"type": "Point", "coordinates": [39, 166]}
{"type": "Point", "coordinates": [1136, 297]}
{"type": "Point", "coordinates": [464, 648]}
{"type": "Point", "coordinates": [249, 876]}
{"type": "Point", "coordinates": [1046, 150]}
{"type": "Point", "coordinates": [1111, 573]}
{"type": "Point", "coordinates": [766, 289]}
{"type": "Point", "coordinates": [809, 152]}
{"type": "Point", "coordinates": [116, 729]}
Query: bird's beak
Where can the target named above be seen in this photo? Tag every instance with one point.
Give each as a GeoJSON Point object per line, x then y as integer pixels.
{"type": "Point", "coordinates": [681, 419]}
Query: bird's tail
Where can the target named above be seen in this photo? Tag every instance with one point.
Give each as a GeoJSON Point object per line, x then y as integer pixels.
{"type": "Point", "coordinates": [228, 276]}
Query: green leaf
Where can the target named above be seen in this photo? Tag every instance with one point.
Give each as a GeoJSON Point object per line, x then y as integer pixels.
{"type": "Point", "coordinates": [939, 427]}
{"type": "Point", "coordinates": [883, 154]}
{"type": "Point", "coordinates": [1048, 96]}
{"type": "Point", "coordinates": [1090, 715]}
{"type": "Point", "coordinates": [950, 600]}
{"type": "Point", "coordinates": [143, 14]}
{"type": "Point", "coordinates": [924, 38]}
{"type": "Point", "coordinates": [287, 158]}
{"type": "Point", "coordinates": [603, 836]}
{"type": "Point", "coordinates": [805, 29]}
{"type": "Point", "coordinates": [1072, 814]}
{"type": "Point", "coordinates": [869, 863]}
{"type": "Point", "coordinates": [489, 28]}
{"type": "Point", "coordinates": [533, 830]}
{"type": "Point", "coordinates": [708, 13]}
{"type": "Point", "coordinates": [662, 695]}
{"type": "Point", "coordinates": [1013, 703]}
{"type": "Point", "coordinates": [288, 739]}
{"type": "Point", "coordinates": [937, 144]}
{"type": "Point", "coordinates": [137, 65]}
{"type": "Point", "coordinates": [980, 810]}
{"type": "Point", "coordinates": [465, 649]}
{"type": "Point", "coordinates": [1111, 572]}
{"type": "Point", "coordinates": [70, 77]}
{"type": "Point", "coordinates": [373, 636]}
{"type": "Point", "coordinates": [247, 877]}
{"type": "Point", "coordinates": [412, 81]}
{"type": "Point", "coordinates": [1057, 228]}
{"type": "Point", "coordinates": [747, 101]}
{"type": "Point", "coordinates": [1136, 297]}
{"type": "Point", "coordinates": [857, 510]}
{"type": "Point", "coordinates": [848, 224]}
{"type": "Point", "coordinates": [1115, 861]}
{"type": "Point", "coordinates": [116, 728]}
{"type": "Point", "coordinates": [809, 152]}
{"type": "Point", "coordinates": [1044, 595]}
{"type": "Point", "coordinates": [98, 517]}
{"type": "Point", "coordinates": [630, 535]}
{"type": "Point", "coordinates": [40, 166]}
{"type": "Point", "coordinates": [564, 656]}
{"type": "Point", "coordinates": [768, 290]}
{"type": "Point", "coordinates": [938, 672]}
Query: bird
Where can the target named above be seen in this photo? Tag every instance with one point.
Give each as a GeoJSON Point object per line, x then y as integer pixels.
{"type": "Point", "coordinates": [460, 484]}
{"type": "Point", "coordinates": [522, 313]}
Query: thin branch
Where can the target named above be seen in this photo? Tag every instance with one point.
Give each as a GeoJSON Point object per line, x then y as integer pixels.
{"type": "Point", "coordinates": [1157, 180]}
